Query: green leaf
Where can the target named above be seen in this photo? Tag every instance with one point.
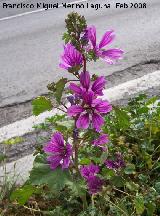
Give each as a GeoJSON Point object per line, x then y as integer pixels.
{"type": "Point", "coordinates": [23, 194]}
{"type": "Point", "coordinates": [130, 169]}
{"type": "Point", "coordinates": [107, 173]}
{"type": "Point", "coordinates": [66, 37]}
{"type": "Point", "coordinates": [157, 187]}
{"type": "Point", "coordinates": [85, 161]}
{"type": "Point", "coordinates": [143, 178]}
{"type": "Point", "coordinates": [152, 100]}
{"type": "Point", "coordinates": [104, 156]}
{"type": "Point", "coordinates": [150, 207]}
{"type": "Point", "coordinates": [41, 174]}
{"type": "Point", "coordinates": [132, 186]}
{"type": "Point", "coordinates": [59, 86]}
{"type": "Point", "coordinates": [78, 188]}
{"type": "Point", "coordinates": [40, 105]}
{"type": "Point", "coordinates": [122, 118]}
{"type": "Point", "coordinates": [14, 141]}
{"type": "Point", "coordinates": [139, 204]}
{"type": "Point", "coordinates": [148, 159]}
{"type": "Point", "coordinates": [2, 157]}
{"type": "Point", "coordinates": [117, 181]}
{"type": "Point", "coordinates": [64, 126]}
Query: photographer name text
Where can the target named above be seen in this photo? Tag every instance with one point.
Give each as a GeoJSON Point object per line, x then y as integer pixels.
{"type": "Point", "coordinates": [98, 6]}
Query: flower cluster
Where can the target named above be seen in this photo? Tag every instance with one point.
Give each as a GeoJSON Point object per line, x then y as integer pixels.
{"type": "Point", "coordinates": [100, 141]}
{"type": "Point", "coordinates": [87, 108]}
{"type": "Point", "coordinates": [90, 109]}
{"type": "Point", "coordinates": [94, 183]}
{"type": "Point", "coordinates": [117, 163]}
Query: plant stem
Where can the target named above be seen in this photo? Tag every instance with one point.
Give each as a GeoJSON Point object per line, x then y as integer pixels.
{"type": "Point", "coordinates": [155, 150]}
{"type": "Point", "coordinates": [76, 146]}
{"type": "Point", "coordinates": [84, 200]}
{"type": "Point", "coordinates": [32, 209]}
{"type": "Point", "coordinates": [73, 80]}
{"type": "Point", "coordinates": [123, 192]}
{"type": "Point", "coordinates": [92, 198]}
{"type": "Point", "coordinates": [84, 63]}
{"type": "Point", "coordinates": [75, 142]}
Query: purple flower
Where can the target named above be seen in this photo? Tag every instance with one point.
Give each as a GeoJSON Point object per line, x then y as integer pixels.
{"type": "Point", "coordinates": [89, 170]}
{"type": "Point", "coordinates": [101, 140]}
{"type": "Point", "coordinates": [91, 111]}
{"type": "Point", "coordinates": [109, 55]}
{"type": "Point", "coordinates": [71, 57]}
{"type": "Point", "coordinates": [94, 184]}
{"type": "Point", "coordinates": [59, 153]}
{"type": "Point", "coordinates": [117, 163]}
{"type": "Point", "coordinates": [85, 84]}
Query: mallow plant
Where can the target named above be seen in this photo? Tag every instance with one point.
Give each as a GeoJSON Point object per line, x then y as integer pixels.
{"type": "Point", "coordinates": [99, 159]}
{"type": "Point", "coordinates": [81, 99]}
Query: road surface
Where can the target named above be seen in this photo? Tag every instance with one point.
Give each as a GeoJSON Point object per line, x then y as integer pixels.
{"type": "Point", "coordinates": [30, 45]}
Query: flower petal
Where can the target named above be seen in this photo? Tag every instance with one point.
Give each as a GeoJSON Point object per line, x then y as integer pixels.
{"type": "Point", "coordinates": [75, 88]}
{"type": "Point", "coordinates": [66, 163]}
{"type": "Point", "coordinates": [89, 170]}
{"type": "Point", "coordinates": [102, 139]}
{"type": "Point", "coordinates": [83, 121]}
{"type": "Point", "coordinates": [88, 97]}
{"type": "Point", "coordinates": [97, 121]}
{"type": "Point", "coordinates": [71, 57]}
{"type": "Point", "coordinates": [94, 184]}
{"type": "Point", "coordinates": [54, 161]}
{"type": "Point", "coordinates": [91, 32]}
{"type": "Point", "coordinates": [113, 53]}
{"type": "Point", "coordinates": [85, 79]}
{"type": "Point", "coordinates": [74, 110]}
{"type": "Point", "coordinates": [103, 107]}
{"type": "Point", "coordinates": [99, 85]}
{"type": "Point", "coordinates": [106, 39]}
{"type": "Point", "coordinates": [63, 66]}
{"type": "Point", "coordinates": [57, 138]}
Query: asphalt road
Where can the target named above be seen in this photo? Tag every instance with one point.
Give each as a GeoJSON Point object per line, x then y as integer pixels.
{"type": "Point", "coordinates": [30, 45]}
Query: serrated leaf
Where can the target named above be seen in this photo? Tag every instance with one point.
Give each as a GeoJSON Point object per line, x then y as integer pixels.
{"type": "Point", "coordinates": [139, 204]}
{"type": "Point", "coordinates": [41, 174]}
{"type": "Point", "coordinates": [22, 194]}
{"type": "Point", "coordinates": [117, 181]}
{"type": "Point", "coordinates": [59, 86]}
{"type": "Point", "coordinates": [78, 188]}
{"type": "Point", "coordinates": [40, 105]}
